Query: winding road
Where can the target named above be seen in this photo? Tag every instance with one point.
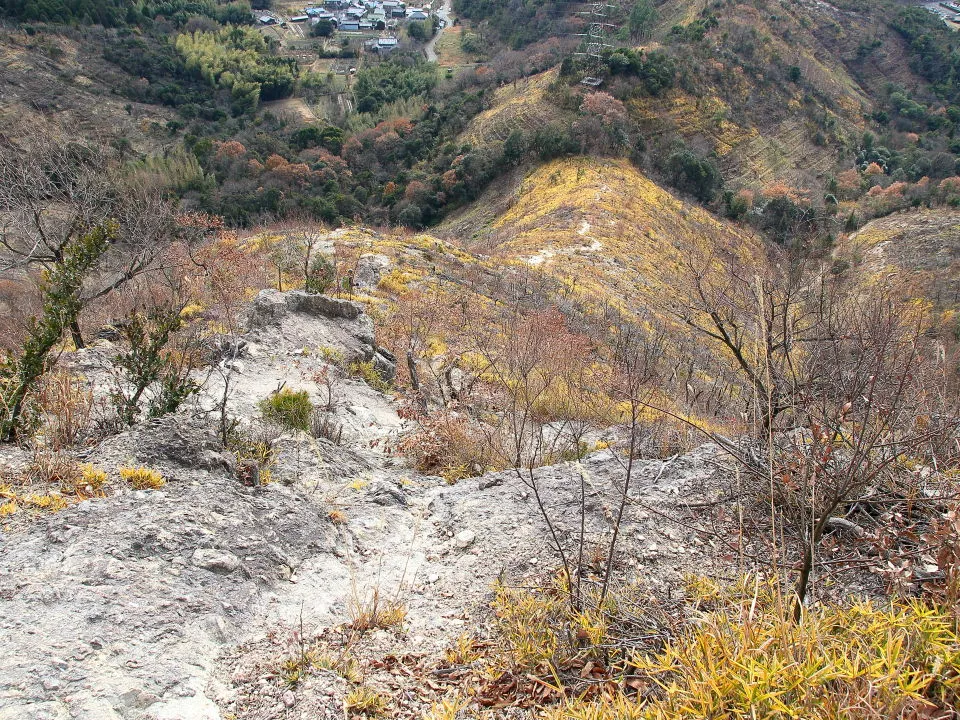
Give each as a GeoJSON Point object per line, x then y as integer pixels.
{"type": "Point", "coordinates": [444, 14]}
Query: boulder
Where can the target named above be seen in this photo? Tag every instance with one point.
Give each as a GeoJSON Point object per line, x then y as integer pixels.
{"type": "Point", "coordinates": [370, 268]}
{"type": "Point", "coordinates": [268, 308]}
{"type": "Point", "coordinates": [464, 539]}
{"type": "Point", "coordinates": [343, 324]}
{"type": "Point", "coordinates": [323, 305]}
{"type": "Point", "coordinates": [385, 364]}
{"type": "Point", "coordinates": [217, 561]}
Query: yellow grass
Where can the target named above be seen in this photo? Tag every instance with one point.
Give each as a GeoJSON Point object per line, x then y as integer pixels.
{"type": "Point", "coordinates": [611, 234]}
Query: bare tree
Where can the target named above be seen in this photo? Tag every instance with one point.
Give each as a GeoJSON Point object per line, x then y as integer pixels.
{"type": "Point", "coordinates": [64, 211]}
{"type": "Point", "coordinates": [760, 321]}
{"type": "Point", "coordinates": [52, 192]}
{"type": "Point", "coordinates": [548, 391]}
{"type": "Point", "coordinates": [637, 360]}
{"type": "Point", "coordinates": [872, 403]}
{"type": "Point", "coordinates": [843, 383]}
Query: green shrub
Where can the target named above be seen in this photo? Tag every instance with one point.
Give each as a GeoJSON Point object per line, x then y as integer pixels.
{"type": "Point", "coordinates": [321, 275]}
{"type": "Point", "coordinates": [694, 174]}
{"type": "Point", "coordinates": [288, 408]}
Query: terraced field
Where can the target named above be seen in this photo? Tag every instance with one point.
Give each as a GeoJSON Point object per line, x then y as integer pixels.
{"type": "Point", "coordinates": [518, 105]}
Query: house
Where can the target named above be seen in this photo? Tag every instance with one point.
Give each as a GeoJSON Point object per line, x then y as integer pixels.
{"type": "Point", "coordinates": [299, 18]}
{"type": "Point", "coordinates": [349, 26]}
{"type": "Point", "coordinates": [417, 15]}
{"type": "Point", "coordinates": [386, 44]}
{"type": "Point", "coordinates": [267, 20]}
{"type": "Point", "coordinates": [365, 26]}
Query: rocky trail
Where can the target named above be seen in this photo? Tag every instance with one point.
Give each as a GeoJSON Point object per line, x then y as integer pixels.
{"type": "Point", "coordinates": [172, 604]}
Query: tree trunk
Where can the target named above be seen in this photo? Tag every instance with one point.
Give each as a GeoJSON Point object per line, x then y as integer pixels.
{"type": "Point", "coordinates": [800, 589]}
{"type": "Point", "coordinates": [412, 367]}
{"type": "Point", "coordinates": [76, 335]}
{"type": "Point", "coordinates": [803, 581]}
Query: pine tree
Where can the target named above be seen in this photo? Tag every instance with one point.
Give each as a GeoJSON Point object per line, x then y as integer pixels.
{"type": "Point", "coordinates": [62, 304]}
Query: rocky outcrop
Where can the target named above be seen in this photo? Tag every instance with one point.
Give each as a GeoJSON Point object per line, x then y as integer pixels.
{"type": "Point", "coordinates": [385, 363]}
{"type": "Point", "coordinates": [115, 608]}
{"type": "Point", "coordinates": [370, 268]}
{"type": "Point", "coordinates": [271, 306]}
{"type": "Point", "coordinates": [147, 605]}
{"type": "Point", "coordinates": [345, 325]}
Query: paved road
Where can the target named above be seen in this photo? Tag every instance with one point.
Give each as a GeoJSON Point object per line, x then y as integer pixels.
{"type": "Point", "coordinates": [444, 14]}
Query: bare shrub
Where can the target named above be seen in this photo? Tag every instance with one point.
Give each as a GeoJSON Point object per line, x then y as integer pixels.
{"type": "Point", "coordinates": [847, 390]}
{"type": "Point", "coordinates": [449, 444]}
{"type": "Point", "coordinates": [66, 405]}
{"type": "Point", "coordinates": [323, 425]}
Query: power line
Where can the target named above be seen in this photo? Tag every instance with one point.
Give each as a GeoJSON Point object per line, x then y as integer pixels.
{"type": "Point", "coordinates": [597, 40]}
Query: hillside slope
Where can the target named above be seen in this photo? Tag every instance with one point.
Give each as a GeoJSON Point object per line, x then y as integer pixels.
{"type": "Point", "coordinates": [64, 79]}
{"type": "Point", "coordinates": [918, 248]}
{"type": "Point", "coordinates": [610, 234]}
{"type": "Point", "coordinates": [189, 602]}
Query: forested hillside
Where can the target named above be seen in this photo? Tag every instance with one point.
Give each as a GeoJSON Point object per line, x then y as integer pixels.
{"type": "Point", "coordinates": [737, 105]}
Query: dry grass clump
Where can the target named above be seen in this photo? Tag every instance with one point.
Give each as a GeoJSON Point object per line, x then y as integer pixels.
{"type": "Point", "coordinates": [447, 443]}
{"type": "Point", "coordinates": [52, 482]}
{"type": "Point", "coordinates": [50, 469]}
{"type": "Point", "coordinates": [540, 630]}
{"type": "Point", "coordinates": [365, 701]}
{"type": "Point", "coordinates": [295, 668]}
{"type": "Point", "coordinates": [738, 654]}
{"type": "Point", "coordinates": [376, 613]}
{"type": "Point", "coordinates": [254, 447]}
{"type": "Point", "coordinates": [745, 658]}
{"type": "Point", "coordinates": [142, 478]}
{"type": "Point", "coordinates": [65, 406]}
{"type": "Point", "coordinates": [464, 651]}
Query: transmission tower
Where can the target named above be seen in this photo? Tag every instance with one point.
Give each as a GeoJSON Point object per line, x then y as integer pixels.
{"type": "Point", "coordinates": [597, 40]}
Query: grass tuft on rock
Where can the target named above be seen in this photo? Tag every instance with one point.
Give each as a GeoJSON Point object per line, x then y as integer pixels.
{"type": "Point", "coordinates": [142, 478]}
{"type": "Point", "coordinates": [289, 408]}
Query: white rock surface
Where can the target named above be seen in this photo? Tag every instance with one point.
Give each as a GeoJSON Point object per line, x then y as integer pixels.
{"type": "Point", "coordinates": [123, 607]}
